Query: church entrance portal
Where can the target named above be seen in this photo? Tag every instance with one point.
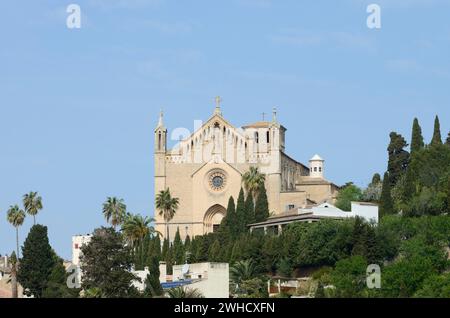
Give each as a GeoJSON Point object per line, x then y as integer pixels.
{"type": "Point", "coordinates": [212, 218]}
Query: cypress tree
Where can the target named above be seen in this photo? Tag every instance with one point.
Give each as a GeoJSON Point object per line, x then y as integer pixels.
{"type": "Point", "coordinates": [165, 249]}
{"type": "Point", "coordinates": [436, 140]}
{"type": "Point", "coordinates": [372, 246]}
{"type": "Point", "coordinates": [262, 205]}
{"type": "Point", "coordinates": [169, 260]}
{"type": "Point", "coordinates": [448, 195]}
{"type": "Point", "coordinates": [398, 157]}
{"type": "Point", "coordinates": [152, 285]}
{"type": "Point", "coordinates": [178, 249]}
{"type": "Point", "coordinates": [240, 214]}
{"type": "Point", "coordinates": [376, 179]}
{"type": "Point", "coordinates": [214, 252]}
{"type": "Point", "coordinates": [187, 244]}
{"type": "Point", "coordinates": [386, 204]}
{"type": "Point", "coordinates": [249, 212]}
{"type": "Point", "coordinates": [236, 253]}
{"type": "Point", "coordinates": [447, 142]}
{"type": "Point", "coordinates": [416, 137]}
{"type": "Point", "coordinates": [194, 249]}
{"type": "Point", "coordinates": [228, 226]}
{"type": "Point", "coordinates": [37, 262]}
{"type": "Point", "coordinates": [409, 186]}
{"type": "Point", "coordinates": [157, 247]}
{"type": "Point", "coordinates": [359, 237]}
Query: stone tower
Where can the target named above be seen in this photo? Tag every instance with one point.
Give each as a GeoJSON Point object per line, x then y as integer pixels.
{"type": "Point", "coordinates": [160, 155]}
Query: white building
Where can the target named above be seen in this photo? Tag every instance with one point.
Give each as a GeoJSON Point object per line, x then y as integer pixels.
{"type": "Point", "coordinates": [315, 213]}
{"type": "Point", "coordinates": [211, 279]}
{"type": "Point", "coordinates": [77, 242]}
{"type": "Point", "coordinates": [143, 276]}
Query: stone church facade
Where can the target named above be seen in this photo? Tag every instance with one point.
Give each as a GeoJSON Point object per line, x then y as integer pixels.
{"type": "Point", "coordinates": [206, 168]}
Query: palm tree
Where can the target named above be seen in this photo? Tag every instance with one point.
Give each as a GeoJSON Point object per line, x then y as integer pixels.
{"type": "Point", "coordinates": [16, 216]}
{"type": "Point", "coordinates": [114, 211]}
{"type": "Point", "coordinates": [253, 180]}
{"type": "Point", "coordinates": [32, 203]}
{"type": "Point", "coordinates": [180, 292]}
{"type": "Point", "coordinates": [136, 227]}
{"type": "Point", "coordinates": [167, 207]}
{"type": "Point", "coordinates": [242, 271]}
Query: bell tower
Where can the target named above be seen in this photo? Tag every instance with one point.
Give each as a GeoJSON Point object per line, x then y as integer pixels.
{"type": "Point", "coordinates": [160, 155]}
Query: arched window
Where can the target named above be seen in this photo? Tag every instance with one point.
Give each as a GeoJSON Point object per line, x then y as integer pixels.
{"type": "Point", "coordinates": [320, 169]}
{"type": "Point", "coordinates": [159, 140]}
{"type": "Point", "coordinates": [268, 137]}
{"type": "Point", "coordinates": [315, 169]}
{"type": "Point", "coordinates": [256, 137]}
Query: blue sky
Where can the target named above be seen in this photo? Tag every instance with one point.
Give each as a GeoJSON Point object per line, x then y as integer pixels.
{"type": "Point", "coordinates": [78, 107]}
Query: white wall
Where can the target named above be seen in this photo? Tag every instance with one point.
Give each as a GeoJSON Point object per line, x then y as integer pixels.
{"type": "Point", "coordinates": [214, 281]}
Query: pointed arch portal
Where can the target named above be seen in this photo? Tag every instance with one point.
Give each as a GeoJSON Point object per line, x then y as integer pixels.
{"type": "Point", "coordinates": [212, 218]}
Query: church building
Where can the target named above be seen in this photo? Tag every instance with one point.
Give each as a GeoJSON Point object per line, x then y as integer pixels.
{"type": "Point", "coordinates": [206, 168]}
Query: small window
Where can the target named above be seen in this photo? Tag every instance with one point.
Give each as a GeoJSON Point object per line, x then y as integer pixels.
{"type": "Point", "coordinates": [257, 137]}
{"type": "Point", "coordinates": [320, 169]}
{"type": "Point", "coordinates": [268, 137]}
{"type": "Point", "coordinates": [290, 207]}
{"type": "Point", "coordinates": [315, 169]}
{"type": "Point", "coordinates": [76, 246]}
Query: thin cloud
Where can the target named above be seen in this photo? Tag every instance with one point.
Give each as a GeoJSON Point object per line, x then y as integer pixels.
{"type": "Point", "coordinates": [300, 37]}
{"type": "Point", "coordinates": [263, 4]}
{"type": "Point", "coordinates": [412, 65]}
{"type": "Point", "coordinates": [124, 4]}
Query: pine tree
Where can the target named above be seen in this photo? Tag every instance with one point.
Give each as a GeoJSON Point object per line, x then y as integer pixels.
{"type": "Point", "coordinates": [436, 140]}
{"type": "Point", "coordinates": [447, 142]}
{"type": "Point", "coordinates": [398, 157]}
{"type": "Point", "coordinates": [262, 205]}
{"type": "Point", "coordinates": [240, 213]}
{"type": "Point", "coordinates": [386, 204]}
{"type": "Point", "coordinates": [106, 263]}
{"type": "Point", "coordinates": [152, 285]}
{"type": "Point", "coordinates": [57, 282]}
{"type": "Point", "coordinates": [37, 262]}
{"type": "Point", "coordinates": [249, 212]}
{"type": "Point", "coordinates": [178, 249]}
{"type": "Point", "coordinates": [416, 137]}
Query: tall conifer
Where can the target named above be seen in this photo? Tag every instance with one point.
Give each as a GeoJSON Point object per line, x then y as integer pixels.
{"type": "Point", "coordinates": [386, 204]}
{"type": "Point", "coordinates": [262, 205]}
{"type": "Point", "coordinates": [240, 213]}
{"type": "Point", "coordinates": [416, 137]}
{"type": "Point", "coordinates": [436, 140]}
